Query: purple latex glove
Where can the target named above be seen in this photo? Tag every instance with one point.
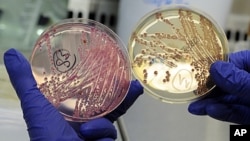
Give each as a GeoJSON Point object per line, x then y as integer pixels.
{"type": "Point", "coordinates": [230, 100]}
{"type": "Point", "coordinates": [43, 121]}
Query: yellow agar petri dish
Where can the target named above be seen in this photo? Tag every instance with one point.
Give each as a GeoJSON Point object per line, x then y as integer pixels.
{"type": "Point", "coordinates": [171, 50]}
{"type": "Point", "coordinates": [82, 67]}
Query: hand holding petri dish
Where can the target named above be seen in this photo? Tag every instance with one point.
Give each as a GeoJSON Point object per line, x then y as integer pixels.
{"type": "Point", "coordinates": [172, 49]}
{"type": "Point", "coordinates": [82, 68]}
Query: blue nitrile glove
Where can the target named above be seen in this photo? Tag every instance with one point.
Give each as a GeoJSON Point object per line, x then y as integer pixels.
{"type": "Point", "coordinates": [230, 100]}
{"type": "Point", "coordinates": [43, 121]}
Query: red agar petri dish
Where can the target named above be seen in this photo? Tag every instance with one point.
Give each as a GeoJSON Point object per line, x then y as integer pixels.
{"type": "Point", "coordinates": [82, 67]}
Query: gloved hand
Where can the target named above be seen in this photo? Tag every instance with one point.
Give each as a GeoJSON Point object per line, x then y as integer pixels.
{"type": "Point", "coordinates": [43, 121]}
{"type": "Point", "coordinates": [230, 100]}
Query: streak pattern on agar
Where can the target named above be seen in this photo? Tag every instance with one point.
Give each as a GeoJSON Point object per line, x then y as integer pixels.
{"type": "Point", "coordinates": [98, 81]}
{"type": "Point", "coordinates": [182, 42]}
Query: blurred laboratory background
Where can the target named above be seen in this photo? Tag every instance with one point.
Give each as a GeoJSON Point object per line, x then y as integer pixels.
{"type": "Point", "coordinates": [22, 21]}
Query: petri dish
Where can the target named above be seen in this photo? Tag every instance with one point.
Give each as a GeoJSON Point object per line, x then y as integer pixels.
{"type": "Point", "coordinates": [171, 50]}
{"type": "Point", "coordinates": [82, 67]}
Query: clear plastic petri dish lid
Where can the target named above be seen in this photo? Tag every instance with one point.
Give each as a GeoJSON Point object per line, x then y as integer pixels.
{"type": "Point", "coordinates": [82, 67]}
{"type": "Point", "coordinates": [171, 50]}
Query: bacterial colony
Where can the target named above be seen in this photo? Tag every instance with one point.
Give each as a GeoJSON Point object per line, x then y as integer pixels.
{"type": "Point", "coordinates": [172, 50]}
{"type": "Point", "coordinates": [86, 74]}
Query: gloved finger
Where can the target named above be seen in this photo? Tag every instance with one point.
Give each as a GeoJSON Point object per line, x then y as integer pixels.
{"type": "Point", "coordinates": [241, 59]}
{"type": "Point", "coordinates": [230, 113]}
{"type": "Point", "coordinates": [221, 111]}
{"type": "Point", "coordinates": [44, 122]}
{"type": "Point", "coordinates": [134, 92]}
{"type": "Point", "coordinates": [230, 78]}
{"type": "Point", "coordinates": [19, 72]}
{"type": "Point", "coordinates": [217, 96]}
{"type": "Point", "coordinates": [98, 129]}
{"type": "Point", "coordinates": [199, 107]}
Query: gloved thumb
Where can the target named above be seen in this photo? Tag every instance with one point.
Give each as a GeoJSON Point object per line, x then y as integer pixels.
{"type": "Point", "coordinates": [134, 92]}
{"type": "Point", "coordinates": [230, 78]}
{"type": "Point", "coordinates": [44, 122]}
{"type": "Point", "coordinates": [19, 72]}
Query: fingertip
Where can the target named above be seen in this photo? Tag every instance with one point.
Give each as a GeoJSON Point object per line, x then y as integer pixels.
{"type": "Point", "coordinates": [219, 66]}
{"type": "Point", "coordinates": [220, 72]}
{"type": "Point", "coordinates": [10, 51]}
{"type": "Point", "coordinates": [136, 87]}
{"type": "Point", "coordinates": [134, 92]}
{"type": "Point", "coordinates": [199, 107]}
{"type": "Point", "coordinates": [15, 62]}
{"type": "Point", "coordinates": [196, 108]}
{"type": "Point", "coordinates": [13, 58]}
